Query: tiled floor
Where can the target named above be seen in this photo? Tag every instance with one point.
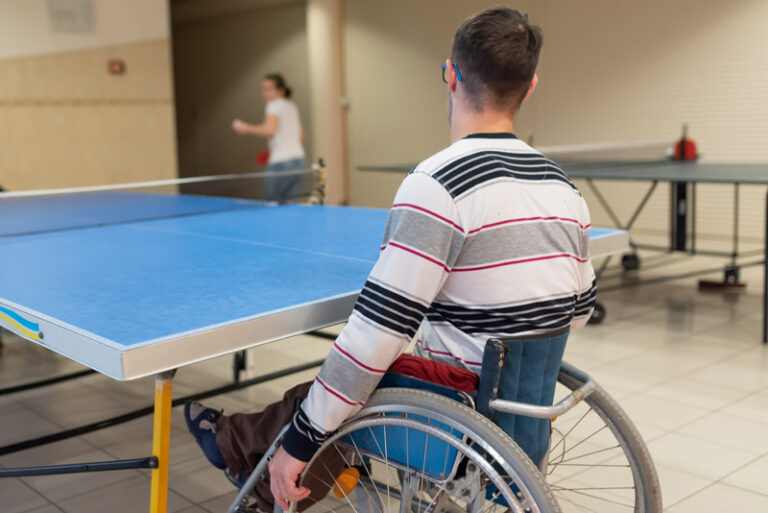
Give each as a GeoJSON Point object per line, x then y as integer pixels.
{"type": "Point", "coordinates": [687, 366]}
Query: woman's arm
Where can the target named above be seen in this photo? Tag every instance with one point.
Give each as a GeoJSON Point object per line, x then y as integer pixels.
{"type": "Point", "coordinates": [266, 129]}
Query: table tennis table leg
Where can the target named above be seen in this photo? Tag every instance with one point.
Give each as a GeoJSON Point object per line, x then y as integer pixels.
{"type": "Point", "coordinates": [161, 441]}
{"type": "Point", "coordinates": [765, 275]}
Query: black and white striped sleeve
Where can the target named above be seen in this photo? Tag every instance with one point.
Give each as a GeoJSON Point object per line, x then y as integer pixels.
{"type": "Point", "coordinates": [421, 242]}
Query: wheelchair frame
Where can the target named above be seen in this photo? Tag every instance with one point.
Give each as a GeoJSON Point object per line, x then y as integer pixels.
{"type": "Point", "coordinates": [582, 386]}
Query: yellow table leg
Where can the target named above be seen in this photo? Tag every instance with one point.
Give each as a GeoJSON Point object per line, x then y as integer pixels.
{"type": "Point", "coordinates": [161, 441]}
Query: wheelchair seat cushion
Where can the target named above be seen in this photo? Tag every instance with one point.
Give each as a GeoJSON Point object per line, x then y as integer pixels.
{"type": "Point", "coordinates": [436, 372]}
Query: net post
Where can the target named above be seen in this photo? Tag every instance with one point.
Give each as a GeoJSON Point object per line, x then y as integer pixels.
{"type": "Point", "coordinates": [765, 275]}
{"type": "Point", "coordinates": [321, 172]}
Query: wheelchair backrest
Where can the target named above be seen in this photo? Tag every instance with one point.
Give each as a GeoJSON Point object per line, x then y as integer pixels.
{"type": "Point", "coordinates": [522, 369]}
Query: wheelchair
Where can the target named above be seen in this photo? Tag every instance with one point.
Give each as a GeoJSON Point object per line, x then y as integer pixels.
{"type": "Point", "coordinates": [419, 447]}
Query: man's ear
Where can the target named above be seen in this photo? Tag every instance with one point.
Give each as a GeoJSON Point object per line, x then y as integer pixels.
{"type": "Point", "coordinates": [450, 76]}
{"type": "Point", "coordinates": [532, 86]}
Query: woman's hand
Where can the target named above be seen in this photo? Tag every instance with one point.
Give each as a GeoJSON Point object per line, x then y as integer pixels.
{"type": "Point", "coordinates": [240, 127]}
{"type": "Point", "coordinates": [284, 472]}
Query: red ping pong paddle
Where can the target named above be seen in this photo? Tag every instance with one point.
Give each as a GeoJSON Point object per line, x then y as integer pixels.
{"type": "Point", "coordinates": [685, 148]}
{"type": "Point", "coordinates": [262, 157]}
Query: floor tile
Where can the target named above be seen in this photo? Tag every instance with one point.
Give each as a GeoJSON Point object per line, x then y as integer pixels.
{"type": "Point", "coordinates": [194, 509]}
{"type": "Point", "coordinates": [697, 393]}
{"type": "Point", "coordinates": [45, 509]}
{"type": "Point", "coordinates": [730, 431]}
{"type": "Point", "coordinates": [17, 497]}
{"type": "Point", "coordinates": [698, 457]}
{"type": "Point", "coordinates": [220, 503]}
{"type": "Point", "coordinates": [126, 496]}
{"type": "Point", "coordinates": [22, 424]}
{"type": "Point", "coordinates": [722, 497]}
{"type": "Point", "coordinates": [659, 412]}
{"type": "Point", "coordinates": [753, 476]}
{"type": "Point", "coordinates": [73, 404]}
{"type": "Point", "coordinates": [60, 487]}
{"type": "Point", "coordinates": [619, 379]}
{"type": "Point", "coordinates": [47, 454]}
{"type": "Point", "coordinates": [753, 407]}
{"type": "Point", "coordinates": [677, 484]}
{"type": "Point", "coordinates": [739, 372]}
{"type": "Point", "coordinates": [197, 480]}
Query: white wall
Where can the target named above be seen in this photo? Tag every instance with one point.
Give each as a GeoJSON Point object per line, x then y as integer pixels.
{"type": "Point", "coordinates": [25, 26]}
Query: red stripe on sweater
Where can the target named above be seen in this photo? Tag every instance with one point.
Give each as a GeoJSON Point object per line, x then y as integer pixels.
{"type": "Point", "coordinates": [358, 362]}
{"type": "Point", "coordinates": [332, 391]}
{"type": "Point", "coordinates": [522, 261]}
{"type": "Point", "coordinates": [523, 219]}
{"type": "Point", "coordinates": [433, 214]}
{"type": "Point", "coordinates": [422, 255]}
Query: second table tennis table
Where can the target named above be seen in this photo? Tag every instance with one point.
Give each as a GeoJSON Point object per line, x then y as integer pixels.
{"type": "Point", "coordinates": [683, 176]}
{"type": "Point", "coordinates": [133, 285]}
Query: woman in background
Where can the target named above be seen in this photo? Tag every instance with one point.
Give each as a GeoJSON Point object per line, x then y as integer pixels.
{"type": "Point", "coordinates": [284, 133]}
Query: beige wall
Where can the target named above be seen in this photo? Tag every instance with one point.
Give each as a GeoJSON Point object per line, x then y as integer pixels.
{"type": "Point", "coordinates": [620, 70]}
{"type": "Point", "coordinates": [220, 60]}
{"type": "Point", "coordinates": [611, 70]}
{"type": "Point", "coordinates": [25, 26]}
{"type": "Point", "coordinates": [397, 100]}
{"type": "Point", "coordinates": [325, 41]}
{"type": "Point", "coordinates": [64, 121]}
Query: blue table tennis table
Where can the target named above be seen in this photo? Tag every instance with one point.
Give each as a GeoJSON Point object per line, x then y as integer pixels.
{"type": "Point", "coordinates": [133, 285]}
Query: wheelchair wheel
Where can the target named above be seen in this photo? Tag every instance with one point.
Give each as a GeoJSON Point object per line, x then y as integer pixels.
{"type": "Point", "coordinates": [418, 452]}
{"type": "Point", "coordinates": [597, 459]}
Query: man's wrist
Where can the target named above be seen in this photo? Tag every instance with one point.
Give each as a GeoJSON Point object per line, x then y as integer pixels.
{"type": "Point", "coordinates": [298, 445]}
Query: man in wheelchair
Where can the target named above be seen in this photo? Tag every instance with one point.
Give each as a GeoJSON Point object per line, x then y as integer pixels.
{"type": "Point", "coordinates": [487, 238]}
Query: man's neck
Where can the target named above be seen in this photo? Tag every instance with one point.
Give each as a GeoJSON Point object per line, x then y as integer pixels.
{"type": "Point", "coordinates": [468, 121]}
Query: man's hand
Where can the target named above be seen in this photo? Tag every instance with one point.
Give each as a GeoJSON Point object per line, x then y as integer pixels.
{"type": "Point", "coordinates": [284, 472]}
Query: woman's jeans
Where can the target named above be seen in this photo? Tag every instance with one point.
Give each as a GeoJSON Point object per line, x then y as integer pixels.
{"type": "Point", "coordinates": [284, 189]}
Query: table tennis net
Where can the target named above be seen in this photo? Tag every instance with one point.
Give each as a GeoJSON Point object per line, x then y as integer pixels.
{"type": "Point", "coordinates": [609, 155]}
{"type": "Point", "coordinates": [39, 211]}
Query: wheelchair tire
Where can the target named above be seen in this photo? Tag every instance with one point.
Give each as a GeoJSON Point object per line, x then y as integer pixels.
{"type": "Point", "coordinates": [598, 314]}
{"type": "Point", "coordinates": [646, 481]}
{"type": "Point", "coordinates": [484, 440]}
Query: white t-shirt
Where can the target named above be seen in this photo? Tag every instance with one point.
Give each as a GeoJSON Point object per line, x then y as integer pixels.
{"type": "Point", "coordinates": [286, 143]}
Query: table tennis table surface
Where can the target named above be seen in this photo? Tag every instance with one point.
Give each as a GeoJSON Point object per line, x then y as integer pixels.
{"type": "Point", "coordinates": [644, 170]}
{"type": "Point", "coordinates": [135, 284]}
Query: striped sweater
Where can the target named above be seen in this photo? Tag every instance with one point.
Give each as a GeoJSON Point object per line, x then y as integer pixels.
{"type": "Point", "coordinates": [486, 238]}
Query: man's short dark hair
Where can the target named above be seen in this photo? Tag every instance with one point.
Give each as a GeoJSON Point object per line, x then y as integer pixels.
{"type": "Point", "coordinates": [497, 52]}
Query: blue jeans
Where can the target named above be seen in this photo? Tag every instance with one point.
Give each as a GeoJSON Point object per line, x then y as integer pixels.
{"type": "Point", "coordinates": [283, 189]}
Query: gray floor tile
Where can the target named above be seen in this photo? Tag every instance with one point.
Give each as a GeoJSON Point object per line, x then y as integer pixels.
{"type": "Point", "coordinates": [198, 480]}
{"type": "Point", "coordinates": [62, 487]}
{"type": "Point", "coordinates": [22, 424]}
{"type": "Point", "coordinates": [17, 497]}
{"type": "Point", "coordinates": [129, 495]}
{"type": "Point", "coordinates": [45, 509]}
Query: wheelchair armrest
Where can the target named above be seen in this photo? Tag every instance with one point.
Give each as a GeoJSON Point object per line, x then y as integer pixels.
{"type": "Point", "coordinates": [548, 412]}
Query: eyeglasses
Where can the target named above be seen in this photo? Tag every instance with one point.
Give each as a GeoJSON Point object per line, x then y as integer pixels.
{"type": "Point", "coordinates": [458, 73]}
